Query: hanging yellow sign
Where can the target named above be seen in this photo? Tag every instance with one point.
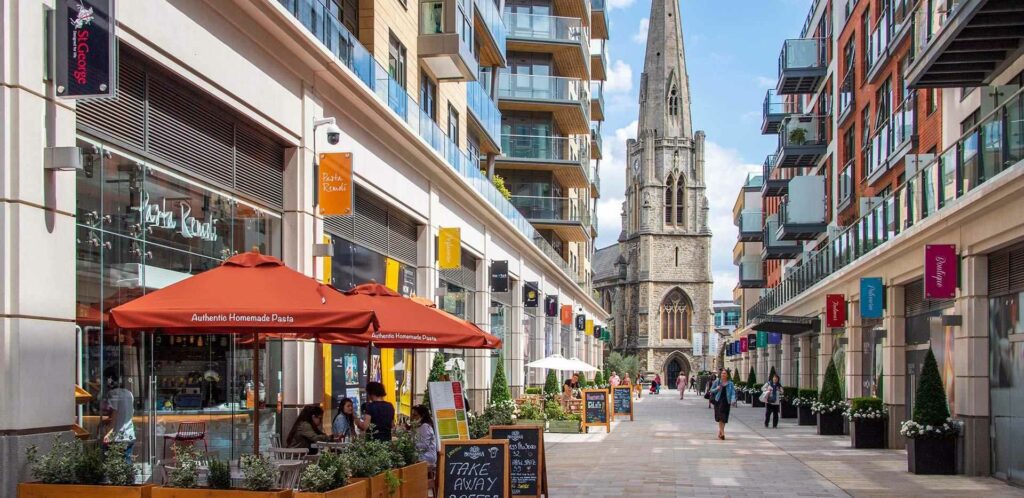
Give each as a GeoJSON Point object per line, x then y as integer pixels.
{"type": "Point", "coordinates": [590, 327]}
{"type": "Point", "coordinates": [449, 248]}
{"type": "Point", "coordinates": [327, 263]}
{"type": "Point", "coordinates": [335, 184]}
{"type": "Point", "coordinates": [391, 271]}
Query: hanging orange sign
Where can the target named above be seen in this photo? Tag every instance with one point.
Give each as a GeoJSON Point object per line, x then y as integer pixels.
{"type": "Point", "coordinates": [335, 185]}
{"type": "Point", "coordinates": [567, 314]}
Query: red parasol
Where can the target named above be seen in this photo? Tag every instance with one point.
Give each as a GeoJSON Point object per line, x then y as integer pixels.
{"type": "Point", "coordinates": [408, 323]}
{"type": "Point", "coordinates": [248, 293]}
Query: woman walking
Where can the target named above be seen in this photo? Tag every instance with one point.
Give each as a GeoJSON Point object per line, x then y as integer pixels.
{"type": "Point", "coordinates": [772, 393]}
{"type": "Point", "coordinates": [723, 393]}
{"type": "Point", "coordinates": [681, 384]}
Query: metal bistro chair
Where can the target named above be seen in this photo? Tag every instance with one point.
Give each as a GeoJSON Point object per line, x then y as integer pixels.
{"type": "Point", "coordinates": [288, 454]}
{"type": "Point", "coordinates": [188, 432]}
{"type": "Point", "coordinates": [288, 474]}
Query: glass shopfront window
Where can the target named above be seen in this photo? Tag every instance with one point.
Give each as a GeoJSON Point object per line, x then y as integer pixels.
{"type": "Point", "coordinates": [141, 227]}
{"type": "Point", "coordinates": [1006, 383]}
{"type": "Point", "coordinates": [501, 325]}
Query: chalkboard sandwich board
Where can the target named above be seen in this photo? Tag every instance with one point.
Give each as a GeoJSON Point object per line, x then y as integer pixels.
{"type": "Point", "coordinates": [528, 473]}
{"type": "Point", "coordinates": [476, 468]}
{"type": "Point", "coordinates": [595, 409]}
{"type": "Point", "coordinates": [622, 402]}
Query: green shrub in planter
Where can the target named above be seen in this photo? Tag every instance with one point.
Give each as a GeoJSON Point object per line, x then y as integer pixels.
{"type": "Point", "coordinates": [534, 390]}
{"type": "Point", "coordinates": [330, 472]}
{"type": "Point", "coordinates": [551, 386]}
{"type": "Point", "coordinates": [867, 422]}
{"type": "Point", "coordinates": [258, 473]}
{"type": "Point", "coordinates": [368, 457]}
{"type": "Point", "coordinates": [932, 433]}
{"type": "Point", "coordinates": [530, 411]}
{"type": "Point", "coordinates": [830, 405]}
{"type": "Point", "coordinates": [403, 448]}
{"type": "Point", "coordinates": [499, 384]}
{"type": "Point", "coordinates": [771, 374]}
{"type": "Point", "coordinates": [752, 377]}
{"type": "Point", "coordinates": [598, 379]}
{"type": "Point", "coordinates": [219, 474]}
{"type": "Point", "coordinates": [437, 373]}
{"type": "Point", "coordinates": [186, 472]}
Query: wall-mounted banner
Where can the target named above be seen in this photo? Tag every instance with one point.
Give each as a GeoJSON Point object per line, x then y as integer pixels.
{"type": "Point", "coordinates": [85, 43]}
{"type": "Point", "coordinates": [335, 186]}
{"type": "Point", "coordinates": [449, 248]}
{"type": "Point", "coordinates": [743, 344]}
{"type": "Point", "coordinates": [551, 306]}
{"type": "Point", "coordinates": [391, 271]}
{"type": "Point", "coordinates": [835, 310]}
{"type": "Point", "coordinates": [499, 276]}
{"type": "Point", "coordinates": [698, 344]}
{"type": "Point", "coordinates": [712, 344]}
{"type": "Point", "coordinates": [588, 327]}
{"type": "Point", "coordinates": [762, 339]}
{"type": "Point", "coordinates": [752, 342]}
{"type": "Point", "coordinates": [940, 271]}
{"type": "Point", "coordinates": [581, 322]}
{"type": "Point", "coordinates": [774, 338]}
{"type": "Point", "coordinates": [531, 294]}
{"type": "Point", "coordinates": [872, 297]}
{"type": "Point", "coordinates": [566, 314]}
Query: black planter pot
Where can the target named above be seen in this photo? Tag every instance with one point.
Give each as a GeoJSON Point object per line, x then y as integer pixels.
{"type": "Point", "coordinates": [747, 398]}
{"type": "Point", "coordinates": [756, 401]}
{"type": "Point", "coordinates": [806, 417]}
{"type": "Point", "coordinates": [932, 456]}
{"type": "Point", "coordinates": [788, 410]}
{"type": "Point", "coordinates": [830, 424]}
{"type": "Point", "coordinates": [867, 433]}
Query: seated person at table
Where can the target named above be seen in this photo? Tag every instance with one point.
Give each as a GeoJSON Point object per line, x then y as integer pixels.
{"type": "Point", "coordinates": [570, 384]}
{"type": "Point", "coordinates": [426, 444]}
{"type": "Point", "coordinates": [307, 428]}
{"type": "Point", "coordinates": [378, 415]}
{"type": "Point", "coordinates": [344, 425]}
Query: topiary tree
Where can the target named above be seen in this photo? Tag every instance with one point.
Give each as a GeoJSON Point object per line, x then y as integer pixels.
{"type": "Point", "coordinates": [930, 404]}
{"type": "Point", "coordinates": [879, 390]}
{"type": "Point", "coordinates": [830, 390]}
{"type": "Point", "coordinates": [771, 374]}
{"type": "Point", "coordinates": [752, 377]}
{"type": "Point", "coordinates": [551, 384]}
{"type": "Point", "coordinates": [499, 384]}
{"type": "Point", "coordinates": [598, 379]}
{"type": "Point", "coordinates": [437, 373]}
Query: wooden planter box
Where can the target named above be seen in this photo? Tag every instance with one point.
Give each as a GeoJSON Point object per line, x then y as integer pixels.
{"type": "Point", "coordinates": [41, 490]}
{"type": "Point", "coordinates": [353, 490]}
{"type": "Point", "coordinates": [564, 426]}
{"type": "Point", "coordinates": [806, 416]}
{"type": "Point", "coordinates": [932, 456]}
{"type": "Point", "coordinates": [787, 410]}
{"type": "Point", "coordinates": [868, 433]}
{"type": "Point", "coordinates": [530, 421]}
{"type": "Point", "coordinates": [162, 492]}
{"type": "Point", "coordinates": [415, 482]}
{"type": "Point", "coordinates": [378, 485]}
{"type": "Point", "coordinates": [830, 424]}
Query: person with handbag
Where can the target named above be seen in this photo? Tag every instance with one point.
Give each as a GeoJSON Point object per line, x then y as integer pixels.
{"type": "Point", "coordinates": [771, 396]}
{"type": "Point", "coordinates": [723, 394]}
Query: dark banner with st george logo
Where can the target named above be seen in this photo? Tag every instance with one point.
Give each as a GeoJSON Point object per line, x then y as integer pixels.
{"type": "Point", "coordinates": [85, 53]}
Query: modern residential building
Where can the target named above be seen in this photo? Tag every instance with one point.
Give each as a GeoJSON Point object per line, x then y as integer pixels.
{"type": "Point", "coordinates": [208, 148]}
{"type": "Point", "coordinates": [901, 120]}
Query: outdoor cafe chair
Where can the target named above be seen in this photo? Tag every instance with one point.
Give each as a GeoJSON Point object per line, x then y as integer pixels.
{"type": "Point", "coordinates": [288, 474]}
{"type": "Point", "coordinates": [288, 454]}
{"type": "Point", "coordinates": [188, 432]}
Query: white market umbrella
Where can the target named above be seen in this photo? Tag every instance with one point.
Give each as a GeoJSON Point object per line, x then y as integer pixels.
{"type": "Point", "coordinates": [554, 362]}
{"type": "Point", "coordinates": [582, 366]}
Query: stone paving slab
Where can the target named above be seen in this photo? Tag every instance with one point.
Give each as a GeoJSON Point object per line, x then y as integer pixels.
{"type": "Point", "coordinates": [671, 449]}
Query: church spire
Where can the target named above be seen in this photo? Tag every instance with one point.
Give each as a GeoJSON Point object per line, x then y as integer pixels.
{"type": "Point", "coordinates": [664, 85]}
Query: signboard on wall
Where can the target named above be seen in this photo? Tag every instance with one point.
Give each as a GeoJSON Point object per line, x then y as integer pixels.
{"type": "Point", "coordinates": [449, 409]}
{"type": "Point", "coordinates": [86, 61]}
{"type": "Point", "coordinates": [588, 327]}
{"type": "Point", "coordinates": [499, 276]}
{"type": "Point", "coordinates": [566, 314]}
{"type": "Point", "coordinates": [336, 195]}
{"type": "Point", "coordinates": [449, 248]}
{"type": "Point", "coordinates": [743, 344]}
{"type": "Point", "coordinates": [698, 344]}
{"type": "Point", "coordinates": [835, 311]}
{"type": "Point", "coordinates": [941, 270]}
{"type": "Point", "coordinates": [762, 339]}
{"type": "Point", "coordinates": [712, 344]}
{"type": "Point", "coordinates": [581, 322]}
{"type": "Point", "coordinates": [872, 297]}
{"type": "Point", "coordinates": [551, 306]}
{"type": "Point", "coordinates": [531, 294]}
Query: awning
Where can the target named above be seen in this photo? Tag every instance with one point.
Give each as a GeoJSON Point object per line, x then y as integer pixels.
{"type": "Point", "coordinates": [788, 325]}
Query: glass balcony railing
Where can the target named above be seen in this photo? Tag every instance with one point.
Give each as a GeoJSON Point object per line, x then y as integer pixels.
{"type": "Point", "coordinates": [489, 13]}
{"type": "Point", "coordinates": [779, 105]}
{"type": "Point", "coordinates": [750, 221]}
{"type": "Point", "coordinates": [553, 209]}
{"type": "Point", "coordinates": [484, 109]}
{"type": "Point", "coordinates": [847, 94]}
{"type": "Point", "coordinates": [803, 53]}
{"type": "Point", "coordinates": [846, 184]}
{"type": "Point", "coordinates": [891, 136]}
{"type": "Point", "coordinates": [929, 20]}
{"type": "Point", "coordinates": [751, 270]}
{"type": "Point", "coordinates": [596, 138]}
{"type": "Point", "coordinates": [599, 47]}
{"type": "Point", "coordinates": [597, 94]}
{"type": "Point", "coordinates": [544, 148]}
{"type": "Point", "coordinates": [771, 236]}
{"type": "Point", "coordinates": [547, 29]}
{"type": "Point", "coordinates": [549, 88]}
{"type": "Point", "coordinates": [597, 4]}
{"type": "Point", "coordinates": [989, 148]}
{"type": "Point", "coordinates": [767, 167]}
{"type": "Point", "coordinates": [753, 181]}
{"type": "Point", "coordinates": [328, 30]}
{"type": "Point", "coordinates": [803, 131]}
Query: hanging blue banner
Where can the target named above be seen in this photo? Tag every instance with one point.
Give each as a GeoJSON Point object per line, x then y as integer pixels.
{"type": "Point", "coordinates": [872, 297]}
{"type": "Point", "coordinates": [774, 338]}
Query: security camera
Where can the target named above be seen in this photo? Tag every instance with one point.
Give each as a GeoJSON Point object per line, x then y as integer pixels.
{"type": "Point", "coordinates": [333, 134]}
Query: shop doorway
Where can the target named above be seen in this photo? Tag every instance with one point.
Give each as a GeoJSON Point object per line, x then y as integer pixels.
{"type": "Point", "coordinates": [673, 367]}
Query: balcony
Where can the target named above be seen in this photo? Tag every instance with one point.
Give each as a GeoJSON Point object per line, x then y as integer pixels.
{"type": "Point", "coordinates": [598, 60]}
{"type": "Point", "coordinates": [579, 9]}
{"type": "Point", "coordinates": [802, 65]}
{"type": "Point", "coordinates": [802, 141]}
{"type": "Point", "coordinates": [847, 96]}
{"type": "Point", "coordinates": [891, 141]}
{"type": "Point", "coordinates": [774, 248]}
{"type": "Point", "coordinates": [597, 101]}
{"type": "Point", "coordinates": [567, 157]}
{"type": "Point", "coordinates": [596, 141]}
{"type": "Point", "coordinates": [751, 224]}
{"type": "Point", "coordinates": [566, 38]}
{"type": "Point", "coordinates": [962, 43]}
{"type": "Point", "coordinates": [491, 33]}
{"type": "Point", "coordinates": [802, 212]}
{"type": "Point", "coordinates": [595, 182]}
{"type": "Point", "coordinates": [598, 20]}
{"type": "Point", "coordinates": [892, 27]}
{"type": "Point", "coordinates": [986, 151]}
{"type": "Point", "coordinates": [567, 217]}
{"type": "Point", "coordinates": [446, 39]}
{"type": "Point", "coordinates": [774, 185]}
{"type": "Point", "coordinates": [567, 98]}
{"type": "Point", "coordinates": [777, 108]}
{"type": "Point", "coordinates": [845, 193]}
{"type": "Point", "coordinates": [486, 117]}
{"type": "Point", "coordinates": [751, 273]}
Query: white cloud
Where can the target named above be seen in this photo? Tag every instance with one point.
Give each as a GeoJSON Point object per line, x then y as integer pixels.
{"type": "Point", "coordinates": [613, 184]}
{"type": "Point", "coordinates": [620, 77]}
{"type": "Point", "coordinates": [765, 82]}
{"type": "Point", "coordinates": [724, 174]}
{"type": "Point", "coordinates": [641, 33]}
{"type": "Point", "coordinates": [620, 4]}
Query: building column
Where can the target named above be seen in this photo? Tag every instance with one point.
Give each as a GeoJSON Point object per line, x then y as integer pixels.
{"type": "Point", "coordinates": [971, 367]}
{"type": "Point", "coordinates": [855, 349]}
{"type": "Point", "coordinates": [517, 343]}
{"type": "Point", "coordinates": [894, 364]}
{"type": "Point", "coordinates": [478, 361]}
{"type": "Point", "coordinates": [804, 357]}
{"type": "Point", "coordinates": [427, 281]}
{"type": "Point", "coordinates": [785, 365]}
{"type": "Point", "coordinates": [826, 346]}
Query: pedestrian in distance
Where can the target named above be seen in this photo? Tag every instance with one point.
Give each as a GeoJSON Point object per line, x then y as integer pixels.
{"type": "Point", "coordinates": [771, 396]}
{"type": "Point", "coordinates": [723, 392]}
{"type": "Point", "coordinates": [614, 380]}
{"type": "Point", "coordinates": [681, 385]}
{"type": "Point", "coordinates": [693, 383]}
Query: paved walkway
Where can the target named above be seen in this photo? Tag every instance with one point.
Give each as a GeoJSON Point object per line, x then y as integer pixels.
{"type": "Point", "coordinates": [671, 449]}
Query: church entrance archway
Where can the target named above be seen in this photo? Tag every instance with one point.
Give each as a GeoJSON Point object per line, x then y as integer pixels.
{"type": "Point", "coordinates": [675, 365]}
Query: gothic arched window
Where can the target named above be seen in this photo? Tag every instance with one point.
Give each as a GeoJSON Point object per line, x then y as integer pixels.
{"type": "Point", "coordinates": [675, 315]}
{"type": "Point", "coordinates": [680, 203]}
{"type": "Point", "coordinates": [673, 102]}
{"type": "Point", "coordinates": [668, 201]}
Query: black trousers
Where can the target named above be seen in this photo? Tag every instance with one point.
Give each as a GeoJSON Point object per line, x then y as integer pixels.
{"type": "Point", "coordinates": [771, 411]}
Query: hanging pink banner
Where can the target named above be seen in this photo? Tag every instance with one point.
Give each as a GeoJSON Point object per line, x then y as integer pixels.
{"type": "Point", "coordinates": [940, 271]}
{"type": "Point", "coordinates": [743, 344]}
{"type": "Point", "coordinates": [835, 311]}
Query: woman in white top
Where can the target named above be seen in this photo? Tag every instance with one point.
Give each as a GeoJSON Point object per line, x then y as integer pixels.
{"type": "Point", "coordinates": [426, 443]}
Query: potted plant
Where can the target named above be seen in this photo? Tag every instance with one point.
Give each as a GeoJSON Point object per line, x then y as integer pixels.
{"type": "Point", "coordinates": [406, 460]}
{"type": "Point", "coordinates": [754, 390]}
{"type": "Point", "coordinates": [931, 433]}
{"type": "Point", "coordinates": [74, 468]}
{"type": "Point", "coordinates": [259, 477]}
{"type": "Point", "coordinates": [788, 409]}
{"type": "Point", "coordinates": [551, 386]}
{"type": "Point", "coordinates": [559, 421]}
{"type": "Point", "coordinates": [830, 404]}
{"type": "Point", "coordinates": [798, 136]}
{"type": "Point", "coordinates": [530, 414]}
{"type": "Point", "coordinates": [329, 478]}
{"type": "Point", "coordinates": [372, 461]}
{"type": "Point", "coordinates": [867, 428]}
{"type": "Point", "coordinates": [803, 402]}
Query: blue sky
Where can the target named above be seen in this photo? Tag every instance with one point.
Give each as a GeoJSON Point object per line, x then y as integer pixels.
{"type": "Point", "coordinates": [732, 49]}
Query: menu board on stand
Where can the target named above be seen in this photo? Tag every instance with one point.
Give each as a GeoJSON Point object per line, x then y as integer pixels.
{"type": "Point", "coordinates": [474, 468]}
{"type": "Point", "coordinates": [595, 409]}
{"type": "Point", "coordinates": [528, 472]}
{"type": "Point", "coordinates": [622, 402]}
{"type": "Point", "coordinates": [448, 405]}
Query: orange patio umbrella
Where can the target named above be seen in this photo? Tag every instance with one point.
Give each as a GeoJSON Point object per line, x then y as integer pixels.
{"type": "Point", "coordinates": [407, 323]}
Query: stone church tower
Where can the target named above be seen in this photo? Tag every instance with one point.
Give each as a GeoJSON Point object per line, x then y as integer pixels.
{"type": "Point", "coordinates": [656, 282]}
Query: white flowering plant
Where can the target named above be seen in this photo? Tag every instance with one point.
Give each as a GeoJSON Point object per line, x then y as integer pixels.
{"type": "Point", "coordinates": [914, 430]}
{"type": "Point", "coordinates": [826, 407]}
{"type": "Point", "coordinates": [867, 408]}
{"type": "Point", "coordinates": [805, 397]}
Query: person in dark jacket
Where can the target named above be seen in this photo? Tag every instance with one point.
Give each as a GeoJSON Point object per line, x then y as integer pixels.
{"type": "Point", "coordinates": [378, 415]}
{"type": "Point", "coordinates": [307, 428]}
{"type": "Point", "coordinates": [723, 394]}
{"type": "Point", "coordinates": [773, 400]}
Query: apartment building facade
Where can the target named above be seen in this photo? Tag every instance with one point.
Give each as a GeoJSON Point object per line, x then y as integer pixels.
{"type": "Point", "coordinates": [206, 149]}
{"type": "Point", "coordinates": [921, 147]}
